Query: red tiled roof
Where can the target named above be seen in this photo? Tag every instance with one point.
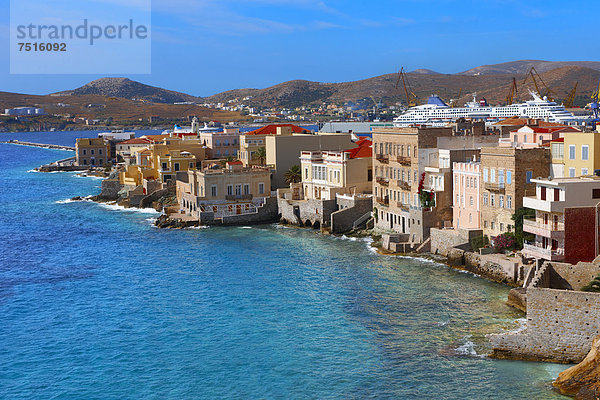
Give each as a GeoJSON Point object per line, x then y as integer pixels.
{"type": "Point", "coordinates": [523, 121]}
{"type": "Point", "coordinates": [272, 129]}
{"type": "Point", "coordinates": [155, 138]}
{"type": "Point", "coordinates": [363, 149]}
{"type": "Point", "coordinates": [136, 141]}
{"type": "Point", "coordinates": [235, 162]}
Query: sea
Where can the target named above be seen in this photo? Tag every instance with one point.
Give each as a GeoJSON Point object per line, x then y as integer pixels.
{"type": "Point", "coordinates": [97, 303]}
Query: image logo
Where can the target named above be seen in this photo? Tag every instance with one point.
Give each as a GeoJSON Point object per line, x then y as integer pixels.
{"type": "Point", "coordinates": [85, 37]}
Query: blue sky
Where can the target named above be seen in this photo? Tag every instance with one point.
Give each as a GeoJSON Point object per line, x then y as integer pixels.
{"type": "Point", "coordinates": [207, 46]}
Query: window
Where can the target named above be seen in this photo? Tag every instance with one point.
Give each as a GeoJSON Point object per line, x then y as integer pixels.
{"type": "Point", "coordinates": [246, 188]}
{"type": "Point", "coordinates": [595, 193]}
{"type": "Point", "coordinates": [84, 161]}
{"type": "Point", "coordinates": [176, 166]}
{"type": "Point", "coordinates": [164, 166]}
{"type": "Point", "coordinates": [471, 201]}
{"type": "Point", "coordinates": [585, 152]}
{"type": "Point", "coordinates": [571, 152]}
{"type": "Point", "coordinates": [485, 174]}
{"type": "Point", "coordinates": [492, 175]}
{"type": "Point", "coordinates": [457, 199]}
{"type": "Point", "coordinates": [100, 152]}
{"type": "Point", "coordinates": [528, 176]}
{"type": "Point", "coordinates": [408, 151]}
{"type": "Point", "coordinates": [492, 199]}
{"type": "Point", "coordinates": [508, 177]}
{"type": "Point", "coordinates": [485, 199]}
{"type": "Point", "coordinates": [492, 225]}
{"type": "Point", "coordinates": [191, 165]}
{"type": "Point", "coordinates": [571, 172]}
{"type": "Point", "coordinates": [543, 193]}
{"type": "Point", "coordinates": [485, 224]}
{"type": "Point", "coordinates": [508, 201]}
{"type": "Point", "coordinates": [229, 190]}
{"type": "Point", "coordinates": [92, 151]}
{"type": "Point", "coordinates": [501, 177]}
{"type": "Point", "coordinates": [238, 189]}
{"type": "Point", "coordinates": [556, 194]}
{"type": "Point", "coordinates": [261, 188]}
{"type": "Point", "coordinates": [84, 151]}
{"type": "Point", "coordinates": [213, 190]}
{"type": "Point", "coordinates": [501, 201]}
{"type": "Point", "coordinates": [501, 227]}
{"type": "Point", "coordinates": [584, 171]}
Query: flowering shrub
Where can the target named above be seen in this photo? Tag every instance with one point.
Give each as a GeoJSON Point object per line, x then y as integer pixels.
{"type": "Point", "coordinates": [426, 198]}
{"type": "Point", "coordinates": [504, 241]}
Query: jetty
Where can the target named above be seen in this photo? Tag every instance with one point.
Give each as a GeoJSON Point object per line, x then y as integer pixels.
{"type": "Point", "coordinates": [43, 145]}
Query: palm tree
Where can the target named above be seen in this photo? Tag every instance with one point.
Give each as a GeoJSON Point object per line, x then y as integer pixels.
{"type": "Point", "coordinates": [260, 154]}
{"type": "Point", "coordinates": [224, 161]}
{"type": "Point", "coordinates": [293, 175]}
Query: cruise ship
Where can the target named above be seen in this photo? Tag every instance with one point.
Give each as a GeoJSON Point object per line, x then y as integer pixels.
{"type": "Point", "coordinates": [438, 113]}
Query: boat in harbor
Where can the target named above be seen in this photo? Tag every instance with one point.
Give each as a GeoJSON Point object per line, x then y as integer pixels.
{"type": "Point", "coordinates": [437, 113]}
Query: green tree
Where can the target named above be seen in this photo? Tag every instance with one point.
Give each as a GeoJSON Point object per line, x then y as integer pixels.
{"type": "Point", "coordinates": [293, 175]}
{"type": "Point", "coordinates": [224, 161]}
{"type": "Point", "coordinates": [261, 155]}
{"type": "Point", "coordinates": [518, 218]}
{"type": "Point", "coordinates": [593, 286]}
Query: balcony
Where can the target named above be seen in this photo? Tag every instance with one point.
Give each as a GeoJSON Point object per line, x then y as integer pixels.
{"type": "Point", "coordinates": [544, 205]}
{"type": "Point", "coordinates": [551, 230]}
{"type": "Point", "coordinates": [232, 197]}
{"type": "Point", "coordinates": [403, 207]}
{"type": "Point", "coordinates": [384, 201]}
{"type": "Point", "coordinates": [382, 158]}
{"type": "Point", "coordinates": [535, 250]}
{"type": "Point", "coordinates": [403, 160]}
{"type": "Point", "coordinates": [494, 186]}
{"type": "Point", "coordinates": [383, 181]}
{"type": "Point", "coordinates": [403, 184]}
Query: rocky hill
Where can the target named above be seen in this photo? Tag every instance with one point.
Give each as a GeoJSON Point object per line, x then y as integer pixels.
{"type": "Point", "coordinates": [494, 87]}
{"type": "Point", "coordinates": [128, 89]}
{"type": "Point", "coordinates": [521, 67]}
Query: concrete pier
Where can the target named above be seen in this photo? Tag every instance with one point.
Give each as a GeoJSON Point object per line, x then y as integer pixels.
{"type": "Point", "coordinates": [43, 145]}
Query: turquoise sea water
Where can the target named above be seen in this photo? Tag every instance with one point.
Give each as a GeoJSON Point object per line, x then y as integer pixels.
{"type": "Point", "coordinates": [95, 303]}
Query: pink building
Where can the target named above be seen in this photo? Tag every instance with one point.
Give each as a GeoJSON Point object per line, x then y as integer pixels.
{"type": "Point", "coordinates": [534, 136]}
{"type": "Point", "coordinates": [465, 195]}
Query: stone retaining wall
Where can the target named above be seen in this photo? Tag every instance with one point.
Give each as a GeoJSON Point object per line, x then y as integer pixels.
{"type": "Point", "coordinates": [561, 325]}
{"type": "Point", "coordinates": [350, 210]}
{"type": "Point", "coordinates": [110, 189]}
{"type": "Point", "coordinates": [443, 240]}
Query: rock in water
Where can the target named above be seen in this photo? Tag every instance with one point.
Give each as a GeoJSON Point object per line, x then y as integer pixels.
{"type": "Point", "coordinates": [583, 380]}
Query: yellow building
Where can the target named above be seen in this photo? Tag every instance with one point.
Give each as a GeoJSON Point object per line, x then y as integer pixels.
{"type": "Point", "coordinates": [251, 141]}
{"type": "Point", "coordinates": [92, 152]}
{"type": "Point", "coordinates": [581, 153]}
{"type": "Point", "coordinates": [163, 160]}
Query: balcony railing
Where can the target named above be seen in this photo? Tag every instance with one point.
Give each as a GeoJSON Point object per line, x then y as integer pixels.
{"type": "Point", "coordinates": [384, 200]}
{"type": "Point", "coordinates": [403, 184]}
{"type": "Point", "coordinates": [404, 160]}
{"type": "Point", "coordinates": [238, 197]}
{"type": "Point", "coordinates": [382, 158]}
{"type": "Point", "coordinates": [383, 181]}
{"type": "Point", "coordinates": [403, 207]}
{"type": "Point", "coordinates": [494, 186]}
{"type": "Point", "coordinates": [550, 226]}
{"type": "Point", "coordinates": [533, 249]}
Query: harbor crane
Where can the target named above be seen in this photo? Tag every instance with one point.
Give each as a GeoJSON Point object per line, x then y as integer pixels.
{"type": "Point", "coordinates": [454, 102]}
{"type": "Point", "coordinates": [568, 103]}
{"type": "Point", "coordinates": [533, 74]}
{"type": "Point", "coordinates": [411, 97]}
{"type": "Point", "coordinates": [510, 98]}
{"type": "Point", "coordinates": [595, 105]}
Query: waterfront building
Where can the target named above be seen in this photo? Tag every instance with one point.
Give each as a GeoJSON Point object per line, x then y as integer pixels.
{"type": "Point", "coordinates": [398, 164]}
{"type": "Point", "coordinates": [506, 177]}
{"type": "Point", "coordinates": [92, 152]}
{"type": "Point", "coordinates": [128, 147]}
{"type": "Point", "coordinates": [251, 141]}
{"type": "Point", "coordinates": [465, 194]}
{"type": "Point", "coordinates": [326, 174]}
{"type": "Point", "coordinates": [215, 193]}
{"type": "Point", "coordinates": [283, 149]}
{"type": "Point", "coordinates": [566, 219]}
{"type": "Point", "coordinates": [162, 160]}
{"type": "Point", "coordinates": [581, 153]}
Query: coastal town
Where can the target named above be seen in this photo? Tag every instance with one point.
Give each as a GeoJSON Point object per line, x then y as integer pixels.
{"type": "Point", "coordinates": [514, 200]}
